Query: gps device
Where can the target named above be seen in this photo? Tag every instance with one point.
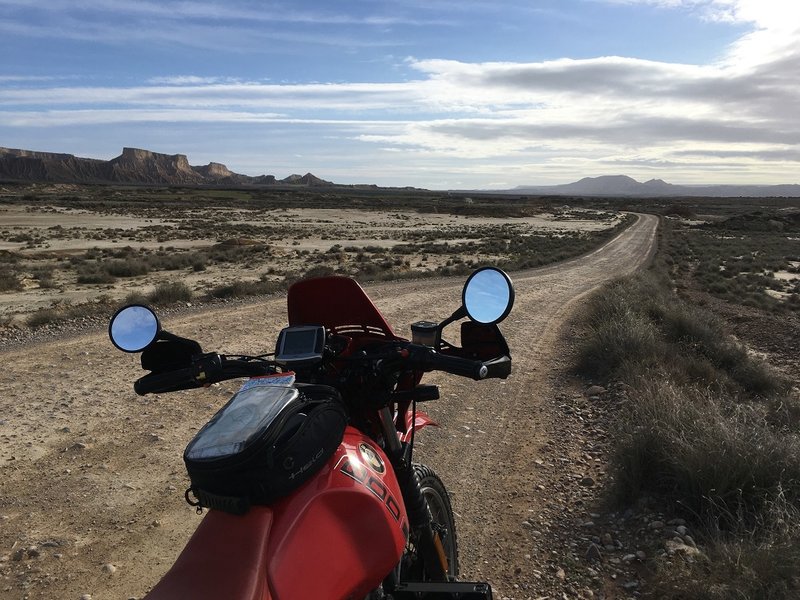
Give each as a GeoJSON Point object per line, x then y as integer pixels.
{"type": "Point", "coordinates": [300, 345]}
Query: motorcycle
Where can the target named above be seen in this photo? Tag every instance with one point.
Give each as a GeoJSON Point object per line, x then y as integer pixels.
{"type": "Point", "coordinates": [307, 472]}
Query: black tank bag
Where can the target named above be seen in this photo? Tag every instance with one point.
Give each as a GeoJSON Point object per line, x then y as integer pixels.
{"type": "Point", "coordinates": [263, 444]}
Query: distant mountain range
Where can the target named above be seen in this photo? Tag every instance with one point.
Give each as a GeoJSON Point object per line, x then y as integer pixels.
{"type": "Point", "coordinates": [133, 166]}
{"type": "Point", "coordinates": [621, 185]}
{"type": "Point", "coordinates": [143, 167]}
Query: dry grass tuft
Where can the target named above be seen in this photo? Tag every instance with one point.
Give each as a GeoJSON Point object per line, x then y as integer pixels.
{"type": "Point", "coordinates": [710, 431]}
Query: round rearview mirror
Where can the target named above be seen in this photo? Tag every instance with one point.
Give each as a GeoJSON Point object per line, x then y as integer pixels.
{"type": "Point", "coordinates": [488, 295]}
{"type": "Point", "coordinates": [133, 328]}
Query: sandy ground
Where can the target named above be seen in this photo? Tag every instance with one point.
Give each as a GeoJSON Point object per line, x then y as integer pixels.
{"type": "Point", "coordinates": [91, 475]}
{"type": "Point", "coordinates": [45, 236]}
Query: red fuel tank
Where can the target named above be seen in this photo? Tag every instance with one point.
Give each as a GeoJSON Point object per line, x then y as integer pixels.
{"type": "Point", "coordinates": [343, 531]}
{"type": "Point", "coordinates": [336, 537]}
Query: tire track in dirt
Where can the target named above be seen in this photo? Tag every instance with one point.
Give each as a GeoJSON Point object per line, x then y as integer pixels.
{"type": "Point", "coordinates": [93, 473]}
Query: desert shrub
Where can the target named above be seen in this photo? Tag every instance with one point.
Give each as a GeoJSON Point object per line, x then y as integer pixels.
{"type": "Point", "coordinates": [679, 210]}
{"type": "Point", "coordinates": [44, 275]}
{"type": "Point", "coordinates": [319, 271]}
{"type": "Point", "coordinates": [452, 270]}
{"type": "Point", "coordinates": [7, 257]}
{"type": "Point", "coordinates": [43, 317]}
{"type": "Point", "coordinates": [9, 282]}
{"type": "Point", "coordinates": [65, 311]}
{"type": "Point", "coordinates": [135, 298]}
{"type": "Point", "coordinates": [242, 288]}
{"type": "Point", "coordinates": [92, 273]}
{"type": "Point", "coordinates": [706, 429]}
{"type": "Point", "coordinates": [170, 292]}
{"type": "Point", "coordinates": [709, 456]}
{"type": "Point", "coordinates": [130, 267]}
{"type": "Point", "coordinates": [758, 562]}
{"type": "Point", "coordinates": [638, 324]}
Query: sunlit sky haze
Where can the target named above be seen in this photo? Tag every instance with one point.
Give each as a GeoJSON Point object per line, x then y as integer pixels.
{"type": "Point", "coordinates": [441, 94]}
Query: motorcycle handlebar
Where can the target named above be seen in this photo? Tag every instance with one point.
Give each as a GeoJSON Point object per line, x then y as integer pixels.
{"type": "Point", "coordinates": [171, 381]}
{"type": "Point", "coordinates": [455, 365]}
{"type": "Point", "coordinates": [427, 359]}
{"type": "Point", "coordinates": [206, 369]}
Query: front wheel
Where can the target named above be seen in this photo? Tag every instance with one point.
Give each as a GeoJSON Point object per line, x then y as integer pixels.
{"type": "Point", "coordinates": [443, 522]}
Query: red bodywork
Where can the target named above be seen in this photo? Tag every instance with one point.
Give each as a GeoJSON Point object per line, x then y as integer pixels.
{"type": "Point", "coordinates": [339, 534]}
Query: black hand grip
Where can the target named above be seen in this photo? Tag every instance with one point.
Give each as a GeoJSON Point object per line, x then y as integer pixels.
{"type": "Point", "coordinates": [499, 368]}
{"type": "Point", "coordinates": [474, 369]}
{"type": "Point", "coordinates": [230, 368]}
{"type": "Point", "coordinates": [166, 382]}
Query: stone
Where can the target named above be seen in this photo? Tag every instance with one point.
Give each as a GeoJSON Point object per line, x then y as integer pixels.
{"type": "Point", "coordinates": [593, 553]}
{"type": "Point", "coordinates": [630, 585]}
{"type": "Point", "coordinates": [655, 525]}
{"type": "Point", "coordinates": [674, 547]}
{"type": "Point", "coordinates": [586, 482]}
{"type": "Point", "coordinates": [109, 568]}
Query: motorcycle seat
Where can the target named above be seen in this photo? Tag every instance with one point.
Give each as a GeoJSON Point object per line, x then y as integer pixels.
{"type": "Point", "coordinates": [226, 557]}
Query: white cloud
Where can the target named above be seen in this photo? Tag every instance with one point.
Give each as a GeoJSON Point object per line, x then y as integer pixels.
{"type": "Point", "coordinates": [183, 80]}
{"type": "Point", "coordinates": [607, 107]}
{"type": "Point", "coordinates": [564, 116]}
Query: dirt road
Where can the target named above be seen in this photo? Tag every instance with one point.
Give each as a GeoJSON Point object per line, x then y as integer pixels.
{"type": "Point", "coordinates": [91, 476]}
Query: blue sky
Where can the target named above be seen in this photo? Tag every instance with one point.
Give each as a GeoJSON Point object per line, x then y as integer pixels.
{"type": "Point", "coordinates": [430, 93]}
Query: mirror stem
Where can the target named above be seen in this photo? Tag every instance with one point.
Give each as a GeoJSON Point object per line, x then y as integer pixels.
{"type": "Point", "coordinates": [460, 313]}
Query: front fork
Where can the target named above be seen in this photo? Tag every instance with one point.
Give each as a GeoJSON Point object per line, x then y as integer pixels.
{"type": "Point", "coordinates": [429, 544]}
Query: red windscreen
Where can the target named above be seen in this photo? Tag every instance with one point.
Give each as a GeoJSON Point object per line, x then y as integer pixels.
{"type": "Point", "coordinates": [337, 303]}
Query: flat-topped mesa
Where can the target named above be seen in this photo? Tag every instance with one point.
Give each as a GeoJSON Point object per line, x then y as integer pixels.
{"type": "Point", "coordinates": [18, 153]}
{"type": "Point", "coordinates": [133, 166]}
{"type": "Point", "coordinates": [145, 166]}
{"type": "Point", "coordinates": [137, 155]}
{"type": "Point", "coordinates": [214, 170]}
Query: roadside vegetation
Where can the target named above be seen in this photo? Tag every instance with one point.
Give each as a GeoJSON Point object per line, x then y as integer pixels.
{"type": "Point", "coordinates": [707, 429]}
{"type": "Point", "coordinates": [751, 258]}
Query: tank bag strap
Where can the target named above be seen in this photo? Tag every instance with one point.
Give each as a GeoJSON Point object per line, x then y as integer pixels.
{"type": "Point", "coordinates": [230, 504]}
